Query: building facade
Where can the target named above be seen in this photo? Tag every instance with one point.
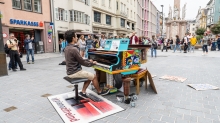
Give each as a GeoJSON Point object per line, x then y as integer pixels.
{"type": "Point", "coordinates": [31, 17]}
{"type": "Point", "coordinates": [114, 17]}
{"type": "Point", "coordinates": [152, 20]}
{"type": "Point", "coordinates": [159, 18]}
{"type": "Point", "coordinates": [142, 17]}
{"type": "Point", "coordinates": [70, 15]}
{"type": "Point", "coordinates": [191, 26]}
{"type": "Point", "coordinates": [213, 14]}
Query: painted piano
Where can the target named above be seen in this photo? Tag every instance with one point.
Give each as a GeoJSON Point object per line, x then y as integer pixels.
{"type": "Point", "coordinates": [118, 59]}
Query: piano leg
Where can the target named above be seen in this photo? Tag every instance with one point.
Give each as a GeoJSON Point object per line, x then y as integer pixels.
{"type": "Point", "coordinates": [126, 85]}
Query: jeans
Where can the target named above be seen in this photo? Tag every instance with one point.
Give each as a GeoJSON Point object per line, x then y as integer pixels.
{"type": "Point", "coordinates": [87, 48]}
{"type": "Point", "coordinates": [172, 46]}
{"type": "Point", "coordinates": [218, 46]}
{"type": "Point", "coordinates": [30, 51]}
{"type": "Point", "coordinates": [192, 48]}
{"type": "Point", "coordinates": [177, 46]}
{"type": "Point", "coordinates": [189, 47]}
{"type": "Point", "coordinates": [185, 47]}
{"type": "Point", "coordinates": [155, 52]}
{"type": "Point", "coordinates": [205, 48]}
{"type": "Point", "coordinates": [14, 57]}
{"type": "Point", "coordinates": [10, 65]}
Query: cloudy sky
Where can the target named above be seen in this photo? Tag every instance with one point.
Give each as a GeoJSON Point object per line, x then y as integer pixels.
{"type": "Point", "coordinates": [192, 6]}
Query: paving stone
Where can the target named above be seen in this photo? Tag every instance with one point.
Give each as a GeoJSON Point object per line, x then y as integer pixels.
{"type": "Point", "coordinates": [204, 120]}
{"type": "Point", "coordinates": [144, 120]}
{"type": "Point", "coordinates": [190, 118]}
{"type": "Point", "coordinates": [180, 120]}
{"type": "Point", "coordinates": [212, 116]}
{"type": "Point", "coordinates": [155, 116]}
{"type": "Point", "coordinates": [156, 121]}
{"type": "Point", "coordinates": [168, 119]}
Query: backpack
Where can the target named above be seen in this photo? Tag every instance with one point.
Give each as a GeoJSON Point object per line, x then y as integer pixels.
{"type": "Point", "coordinates": [155, 45]}
{"type": "Point", "coordinates": [7, 50]}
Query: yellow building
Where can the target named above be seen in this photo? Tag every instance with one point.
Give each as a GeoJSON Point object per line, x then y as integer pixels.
{"type": "Point", "coordinates": [203, 19]}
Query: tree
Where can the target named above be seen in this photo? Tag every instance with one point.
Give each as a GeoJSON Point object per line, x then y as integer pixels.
{"type": "Point", "coordinates": [200, 31]}
{"type": "Point", "coordinates": [216, 28]}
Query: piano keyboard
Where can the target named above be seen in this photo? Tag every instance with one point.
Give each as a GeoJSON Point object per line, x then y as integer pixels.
{"type": "Point", "coordinates": [102, 66]}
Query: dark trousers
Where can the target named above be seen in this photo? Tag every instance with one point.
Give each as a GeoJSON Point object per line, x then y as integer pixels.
{"type": "Point", "coordinates": [218, 46]}
{"type": "Point", "coordinates": [10, 65]}
{"type": "Point", "coordinates": [14, 57]}
{"type": "Point", "coordinates": [185, 47]}
{"type": "Point", "coordinates": [205, 48]}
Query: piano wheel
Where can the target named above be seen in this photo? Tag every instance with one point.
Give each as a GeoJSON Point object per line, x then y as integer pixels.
{"type": "Point", "coordinates": [118, 80]}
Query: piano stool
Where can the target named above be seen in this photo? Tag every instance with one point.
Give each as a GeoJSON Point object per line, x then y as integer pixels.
{"type": "Point", "coordinates": [143, 74]}
{"type": "Point", "coordinates": [75, 81]}
{"type": "Point", "coordinates": [140, 74]}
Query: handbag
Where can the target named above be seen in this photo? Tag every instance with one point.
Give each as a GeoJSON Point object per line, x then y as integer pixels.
{"type": "Point", "coordinates": [21, 55]}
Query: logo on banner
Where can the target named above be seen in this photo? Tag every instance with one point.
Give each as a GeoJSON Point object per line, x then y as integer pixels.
{"type": "Point", "coordinates": [26, 23]}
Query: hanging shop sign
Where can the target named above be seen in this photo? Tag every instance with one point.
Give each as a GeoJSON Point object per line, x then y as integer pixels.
{"type": "Point", "coordinates": [26, 23]}
{"type": "Point", "coordinates": [5, 35]}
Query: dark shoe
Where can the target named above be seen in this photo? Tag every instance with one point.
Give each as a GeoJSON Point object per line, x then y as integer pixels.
{"type": "Point", "coordinates": [83, 95]}
{"type": "Point", "coordinates": [22, 69]}
{"type": "Point", "coordinates": [9, 69]}
{"type": "Point", "coordinates": [32, 62]}
{"type": "Point", "coordinates": [14, 70]}
{"type": "Point", "coordinates": [104, 92]}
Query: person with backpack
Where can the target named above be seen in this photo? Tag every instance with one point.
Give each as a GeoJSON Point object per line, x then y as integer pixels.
{"type": "Point", "coordinates": [29, 46]}
{"type": "Point", "coordinates": [12, 45]}
{"type": "Point", "coordinates": [177, 44]}
{"type": "Point", "coordinates": [153, 46]}
{"type": "Point", "coordinates": [185, 43]}
{"type": "Point", "coordinates": [218, 42]}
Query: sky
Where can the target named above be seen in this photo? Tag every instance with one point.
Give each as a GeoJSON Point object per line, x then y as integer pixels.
{"type": "Point", "coordinates": [192, 6]}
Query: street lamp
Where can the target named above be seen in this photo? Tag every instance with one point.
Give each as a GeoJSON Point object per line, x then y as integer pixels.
{"type": "Point", "coordinates": [3, 63]}
{"type": "Point", "coordinates": [162, 21]}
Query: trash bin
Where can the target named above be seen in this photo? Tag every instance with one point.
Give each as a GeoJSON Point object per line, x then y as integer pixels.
{"type": "Point", "coordinates": [40, 47]}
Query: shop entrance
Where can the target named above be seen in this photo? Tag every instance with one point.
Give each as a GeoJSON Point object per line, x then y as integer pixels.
{"type": "Point", "coordinates": [20, 35]}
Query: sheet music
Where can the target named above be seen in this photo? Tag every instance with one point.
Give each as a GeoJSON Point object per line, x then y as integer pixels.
{"type": "Point", "coordinates": [115, 45]}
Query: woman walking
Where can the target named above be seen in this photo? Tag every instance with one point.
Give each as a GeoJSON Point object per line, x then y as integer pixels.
{"type": "Point", "coordinates": [153, 46]}
{"type": "Point", "coordinates": [82, 45]}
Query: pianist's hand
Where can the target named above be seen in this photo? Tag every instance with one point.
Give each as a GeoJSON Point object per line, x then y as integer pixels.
{"type": "Point", "coordinates": [94, 62]}
{"type": "Point", "coordinates": [90, 60]}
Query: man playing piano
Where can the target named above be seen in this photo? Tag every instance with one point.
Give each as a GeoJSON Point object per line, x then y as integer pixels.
{"type": "Point", "coordinates": [74, 62]}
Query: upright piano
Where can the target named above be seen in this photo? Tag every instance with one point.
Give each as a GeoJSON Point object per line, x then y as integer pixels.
{"type": "Point", "coordinates": [118, 59]}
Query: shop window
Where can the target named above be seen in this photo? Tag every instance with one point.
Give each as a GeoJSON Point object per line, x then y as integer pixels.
{"type": "Point", "coordinates": [122, 22]}
{"type": "Point", "coordinates": [37, 6]}
{"type": "Point", "coordinates": [108, 19]}
{"type": "Point", "coordinates": [97, 17]}
{"type": "Point", "coordinates": [16, 4]}
{"type": "Point", "coordinates": [27, 5]}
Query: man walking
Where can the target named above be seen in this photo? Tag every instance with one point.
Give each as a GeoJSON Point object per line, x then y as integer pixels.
{"type": "Point", "coordinates": [29, 46]}
{"type": "Point", "coordinates": [189, 41]}
{"type": "Point", "coordinates": [218, 42]}
{"type": "Point", "coordinates": [185, 43]}
{"type": "Point", "coordinates": [205, 44]}
{"type": "Point", "coordinates": [14, 55]}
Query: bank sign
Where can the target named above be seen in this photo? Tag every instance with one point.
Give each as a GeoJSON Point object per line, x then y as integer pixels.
{"type": "Point", "coordinates": [26, 23]}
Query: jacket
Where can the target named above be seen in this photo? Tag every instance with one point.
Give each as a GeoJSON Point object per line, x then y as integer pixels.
{"type": "Point", "coordinates": [27, 41]}
{"type": "Point", "coordinates": [218, 41]}
{"type": "Point", "coordinates": [193, 41]}
{"type": "Point", "coordinates": [135, 38]}
{"type": "Point", "coordinates": [74, 60]}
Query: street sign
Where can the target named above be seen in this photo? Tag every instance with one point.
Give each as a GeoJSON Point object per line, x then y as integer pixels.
{"type": "Point", "coordinates": [5, 35]}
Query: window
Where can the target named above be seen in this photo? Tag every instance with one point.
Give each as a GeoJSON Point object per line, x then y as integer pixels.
{"type": "Point", "coordinates": [80, 17]}
{"type": "Point", "coordinates": [60, 14]}
{"type": "Point", "coordinates": [108, 19]}
{"type": "Point", "coordinates": [109, 3]}
{"type": "Point", "coordinates": [71, 15]}
{"type": "Point", "coordinates": [87, 19]}
{"type": "Point", "coordinates": [131, 13]}
{"type": "Point", "coordinates": [97, 17]}
{"type": "Point", "coordinates": [16, 4]}
{"type": "Point", "coordinates": [87, 2]}
{"type": "Point", "coordinates": [132, 26]}
{"type": "Point", "coordinates": [103, 2]}
{"type": "Point", "coordinates": [37, 6]}
{"type": "Point", "coordinates": [27, 5]}
{"type": "Point", "coordinates": [122, 22]}
{"type": "Point", "coordinates": [134, 3]}
{"type": "Point", "coordinates": [117, 5]}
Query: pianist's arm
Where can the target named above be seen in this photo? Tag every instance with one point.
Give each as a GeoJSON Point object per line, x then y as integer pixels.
{"type": "Point", "coordinates": [84, 62]}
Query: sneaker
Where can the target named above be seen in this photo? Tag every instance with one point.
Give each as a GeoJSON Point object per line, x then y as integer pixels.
{"type": "Point", "coordinates": [83, 94]}
{"type": "Point", "coordinates": [104, 92]}
{"type": "Point", "coordinates": [14, 70]}
{"type": "Point", "coordinates": [22, 69]}
{"type": "Point", "coordinates": [9, 69]}
{"type": "Point", "coordinates": [29, 63]}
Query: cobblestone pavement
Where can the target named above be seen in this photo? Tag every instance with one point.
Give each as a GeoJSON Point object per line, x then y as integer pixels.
{"type": "Point", "coordinates": [175, 102]}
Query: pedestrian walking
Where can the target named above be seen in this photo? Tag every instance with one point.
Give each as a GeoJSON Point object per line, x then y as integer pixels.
{"type": "Point", "coordinates": [102, 41]}
{"type": "Point", "coordinates": [89, 43]}
{"type": "Point", "coordinates": [189, 42]}
{"type": "Point", "coordinates": [185, 40]}
{"type": "Point", "coordinates": [218, 42]}
{"type": "Point", "coordinates": [193, 42]}
{"type": "Point", "coordinates": [205, 44]}
{"type": "Point", "coordinates": [153, 46]}
{"type": "Point", "coordinates": [171, 43]}
{"type": "Point", "coordinates": [177, 44]}
{"type": "Point", "coordinates": [29, 46]}
{"type": "Point", "coordinates": [14, 55]}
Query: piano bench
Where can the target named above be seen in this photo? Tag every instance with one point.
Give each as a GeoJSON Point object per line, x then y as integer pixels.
{"type": "Point", "coordinates": [140, 74]}
{"type": "Point", "coordinates": [75, 81]}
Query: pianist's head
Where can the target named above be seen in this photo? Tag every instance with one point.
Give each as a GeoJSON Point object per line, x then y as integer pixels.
{"type": "Point", "coordinates": [71, 37]}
